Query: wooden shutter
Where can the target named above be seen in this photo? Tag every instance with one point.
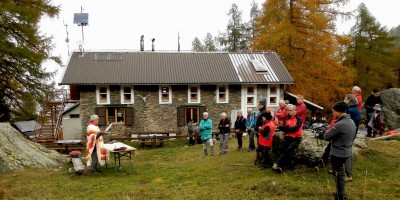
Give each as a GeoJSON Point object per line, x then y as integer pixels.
{"type": "Point", "coordinates": [202, 109]}
{"type": "Point", "coordinates": [101, 112]}
{"type": "Point", "coordinates": [129, 116]}
{"type": "Point", "coordinates": [181, 116]}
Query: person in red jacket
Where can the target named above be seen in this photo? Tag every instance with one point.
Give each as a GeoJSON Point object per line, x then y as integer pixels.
{"type": "Point", "coordinates": [292, 130]}
{"type": "Point", "coordinates": [266, 136]}
{"type": "Point", "coordinates": [301, 108]}
{"type": "Point", "coordinates": [282, 112]}
{"type": "Point", "coordinates": [357, 91]}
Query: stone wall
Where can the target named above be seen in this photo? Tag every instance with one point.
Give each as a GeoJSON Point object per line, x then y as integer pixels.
{"type": "Point", "coordinates": [152, 116]}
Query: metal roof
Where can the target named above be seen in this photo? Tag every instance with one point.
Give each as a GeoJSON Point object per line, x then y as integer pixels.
{"type": "Point", "coordinates": [26, 126]}
{"type": "Point", "coordinates": [306, 101]}
{"type": "Point", "coordinates": [172, 68]}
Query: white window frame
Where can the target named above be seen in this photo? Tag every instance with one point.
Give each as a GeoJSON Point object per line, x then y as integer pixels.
{"type": "Point", "coordinates": [226, 94]}
{"type": "Point", "coordinates": [169, 93]}
{"type": "Point", "coordinates": [98, 94]}
{"type": "Point", "coordinates": [190, 100]}
{"type": "Point", "coordinates": [123, 96]}
{"type": "Point", "coordinates": [251, 95]}
{"type": "Point", "coordinates": [277, 95]}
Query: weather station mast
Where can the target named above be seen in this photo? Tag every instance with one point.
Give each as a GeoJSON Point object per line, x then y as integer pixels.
{"type": "Point", "coordinates": [81, 19]}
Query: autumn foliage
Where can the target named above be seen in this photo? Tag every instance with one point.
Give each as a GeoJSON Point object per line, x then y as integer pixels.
{"type": "Point", "coordinates": [302, 32]}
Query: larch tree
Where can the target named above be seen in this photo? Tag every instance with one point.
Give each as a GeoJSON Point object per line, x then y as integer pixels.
{"type": "Point", "coordinates": [255, 13]}
{"type": "Point", "coordinates": [370, 53]}
{"type": "Point", "coordinates": [210, 43]}
{"type": "Point", "coordinates": [303, 34]}
{"type": "Point", "coordinates": [23, 81]}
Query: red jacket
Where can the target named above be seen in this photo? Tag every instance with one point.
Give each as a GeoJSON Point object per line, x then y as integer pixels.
{"type": "Point", "coordinates": [267, 134]}
{"type": "Point", "coordinates": [281, 114]}
{"type": "Point", "coordinates": [359, 99]}
{"type": "Point", "coordinates": [301, 111]}
{"type": "Point", "coordinates": [292, 127]}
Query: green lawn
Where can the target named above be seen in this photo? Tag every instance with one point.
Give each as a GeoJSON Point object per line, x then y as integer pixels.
{"type": "Point", "coordinates": [179, 172]}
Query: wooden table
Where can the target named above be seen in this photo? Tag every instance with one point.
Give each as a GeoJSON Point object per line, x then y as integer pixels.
{"type": "Point", "coordinates": [115, 148]}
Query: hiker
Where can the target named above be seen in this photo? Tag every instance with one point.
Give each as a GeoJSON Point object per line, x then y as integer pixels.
{"type": "Point", "coordinates": [357, 92]}
{"type": "Point", "coordinates": [240, 127]}
{"type": "Point", "coordinates": [352, 101]}
{"type": "Point", "coordinates": [250, 124]}
{"type": "Point", "coordinates": [371, 101]}
{"type": "Point", "coordinates": [375, 123]}
{"type": "Point", "coordinates": [224, 130]}
{"type": "Point", "coordinates": [282, 112]}
{"type": "Point", "coordinates": [191, 132]}
{"type": "Point", "coordinates": [266, 136]}
{"type": "Point", "coordinates": [341, 136]}
{"type": "Point", "coordinates": [262, 111]}
{"type": "Point", "coordinates": [205, 127]}
{"type": "Point", "coordinates": [292, 129]}
{"type": "Point", "coordinates": [301, 109]}
{"type": "Point", "coordinates": [95, 152]}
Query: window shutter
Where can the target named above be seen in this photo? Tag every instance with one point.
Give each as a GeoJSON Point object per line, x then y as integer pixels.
{"type": "Point", "coordinates": [202, 109]}
{"type": "Point", "coordinates": [129, 116]}
{"type": "Point", "coordinates": [181, 116]}
{"type": "Point", "coordinates": [101, 112]}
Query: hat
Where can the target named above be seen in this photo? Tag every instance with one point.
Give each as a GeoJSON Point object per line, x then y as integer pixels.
{"type": "Point", "coordinates": [340, 107]}
{"type": "Point", "coordinates": [377, 107]}
{"type": "Point", "coordinates": [263, 102]}
{"type": "Point", "coordinates": [375, 90]}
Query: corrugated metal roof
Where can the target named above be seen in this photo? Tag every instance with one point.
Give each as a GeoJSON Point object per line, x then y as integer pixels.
{"type": "Point", "coordinates": [26, 126]}
{"type": "Point", "coordinates": [171, 68]}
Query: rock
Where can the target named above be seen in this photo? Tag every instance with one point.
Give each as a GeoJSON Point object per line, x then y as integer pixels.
{"type": "Point", "coordinates": [310, 150]}
{"type": "Point", "coordinates": [391, 108]}
{"type": "Point", "coordinates": [16, 152]}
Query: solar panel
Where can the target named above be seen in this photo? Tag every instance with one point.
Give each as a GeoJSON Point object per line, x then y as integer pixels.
{"type": "Point", "coordinates": [82, 19]}
{"type": "Point", "coordinates": [258, 66]}
{"type": "Point", "coordinates": [108, 57]}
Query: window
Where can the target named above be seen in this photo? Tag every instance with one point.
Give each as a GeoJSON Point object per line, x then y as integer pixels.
{"type": "Point", "coordinates": [222, 94]}
{"type": "Point", "coordinates": [74, 116]}
{"type": "Point", "coordinates": [103, 94]}
{"type": "Point", "coordinates": [121, 115]}
{"type": "Point", "coordinates": [194, 94]}
{"type": "Point", "coordinates": [251, 95]}
{"type": "Point", "coordinates": [273, 95]}
{"type": "Point", "coordinates": [127, 96]}
{"type": "Point", "coordinates": [165, 96]}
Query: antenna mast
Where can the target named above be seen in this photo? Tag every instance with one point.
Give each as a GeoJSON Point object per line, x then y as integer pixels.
{"type": "Point", "coordinates": [67, 38]}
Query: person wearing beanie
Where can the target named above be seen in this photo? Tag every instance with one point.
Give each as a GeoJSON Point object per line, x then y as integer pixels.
{"type": "Point", "coordinates": [371, 101]}
{"type": "Point", "coordinates": [341, 136]}
{"type": "Point", "coordinates": [266, 136]}
{"type": "Point", "coordinates": [355, 115]}
{"type": "Point", "coordinates": [292, 129]}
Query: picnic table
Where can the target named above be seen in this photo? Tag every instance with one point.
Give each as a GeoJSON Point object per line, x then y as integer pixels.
{"type": "Point", "coordinates": [120, 150]}
{"type": "Point", "coordinates": [153, 139]}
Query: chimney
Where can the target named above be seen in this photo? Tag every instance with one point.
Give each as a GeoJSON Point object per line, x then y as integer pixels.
{"type": "Point", "coordinates": [142, 43]}
{"type": "Point", "coordinates": [152, 44]}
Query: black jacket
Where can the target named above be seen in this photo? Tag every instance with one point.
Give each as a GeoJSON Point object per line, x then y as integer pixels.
{"type": "Point", "coordinates": [240, 124]}
{"type": "Point", "coordinates": [370, 103]}
{"type": "Point", "coordinates": [222, 126]}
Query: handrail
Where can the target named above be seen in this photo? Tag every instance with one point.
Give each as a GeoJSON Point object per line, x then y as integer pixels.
{"type": "Point", "coordinates": [59, 117]}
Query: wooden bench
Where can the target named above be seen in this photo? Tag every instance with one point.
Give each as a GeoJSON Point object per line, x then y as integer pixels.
{"type": "Point", "coordinates": [153, 139]}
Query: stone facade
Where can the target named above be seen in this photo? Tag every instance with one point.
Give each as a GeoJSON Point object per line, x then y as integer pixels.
{"type": "Point", "coordinates": [150, 115]}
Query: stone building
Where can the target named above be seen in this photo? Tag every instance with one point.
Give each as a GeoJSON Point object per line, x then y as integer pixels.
{"type": "Point", "coordinates": [160, 91]}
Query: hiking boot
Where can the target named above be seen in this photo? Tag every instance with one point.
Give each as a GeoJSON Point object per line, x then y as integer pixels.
{"type": "Point", "coordinates": [278, 170]}
{"type": "Point", "coordinates": [348, 179]}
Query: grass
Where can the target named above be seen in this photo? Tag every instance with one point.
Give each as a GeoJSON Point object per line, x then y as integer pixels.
{"type": "Point", "coordinates": [179, 172]}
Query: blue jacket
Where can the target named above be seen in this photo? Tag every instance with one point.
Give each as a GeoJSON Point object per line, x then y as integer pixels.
{"type": "Point", "coordinates": [251, 120]}
{"type": "Point", "coordinates": [205, 127]}
{"type": "Point", "coordinates": [354, 114]}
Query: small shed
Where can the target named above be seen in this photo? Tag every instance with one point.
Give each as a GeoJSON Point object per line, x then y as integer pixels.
{"type": "Point", "coordinates": [316, 110]}
{"type": "Point", "coordinates": [71, 122]}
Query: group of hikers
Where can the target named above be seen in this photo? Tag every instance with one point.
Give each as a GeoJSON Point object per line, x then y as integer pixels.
{"type": "Point", "coordinates": [288, 119]}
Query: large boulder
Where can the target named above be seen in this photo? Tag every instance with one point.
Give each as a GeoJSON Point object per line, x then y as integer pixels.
{"type": "Point", "coordinates": [16, 152]}
{"type": "Point", "coordinates": [310, 150]}
{"type": "Point", "coordinates": [391, 108]}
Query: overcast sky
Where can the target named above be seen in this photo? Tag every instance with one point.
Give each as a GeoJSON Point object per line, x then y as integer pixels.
{"type": "Point", "coordinates": [118, 24]}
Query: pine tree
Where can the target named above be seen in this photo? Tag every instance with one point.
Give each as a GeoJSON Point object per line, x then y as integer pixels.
{"type": "Point", "coordinates": [255, 13]}
{"type": "Point", "coordinates": [370, 52]}
{"type": "Point", "coordinates": [303, 34]}
{"type": "Point", "coordinates": [23, 50]}
{"type": "Point", "coordinates": [197, 46]}
{"type": "Point", "coordinates": [209, 43]}
{"type": "Point", "coordinates": [235, 38]}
